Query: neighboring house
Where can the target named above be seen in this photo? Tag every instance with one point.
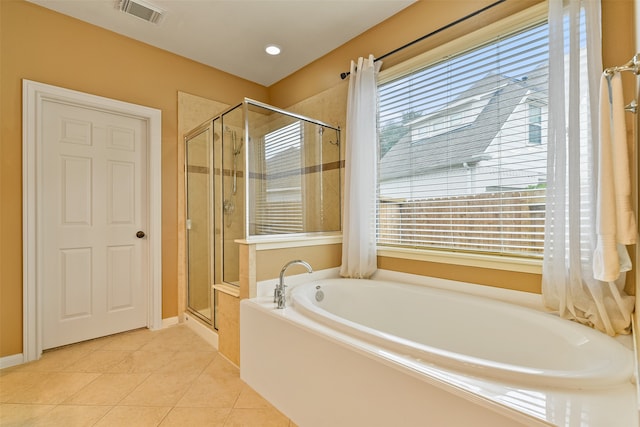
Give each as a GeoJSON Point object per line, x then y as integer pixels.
{"type": "Point", "coordinates": [491, 138]}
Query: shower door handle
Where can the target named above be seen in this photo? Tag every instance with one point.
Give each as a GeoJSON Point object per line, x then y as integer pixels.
{"type": "Point", "coordinates": [140, 234]}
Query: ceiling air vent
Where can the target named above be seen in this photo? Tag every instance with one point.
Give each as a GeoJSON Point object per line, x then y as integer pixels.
{"type": "Point", "coordinates": [141, 10]}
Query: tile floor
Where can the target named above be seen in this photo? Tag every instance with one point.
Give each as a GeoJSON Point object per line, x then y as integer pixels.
{"type": "Point", "coordinates": [170, 377]}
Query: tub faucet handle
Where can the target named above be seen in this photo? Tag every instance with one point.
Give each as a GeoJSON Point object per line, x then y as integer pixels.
{"type": "Point", "coordinates": [280, 296]}
{"type": "Point", "coordinates": [278, 292]}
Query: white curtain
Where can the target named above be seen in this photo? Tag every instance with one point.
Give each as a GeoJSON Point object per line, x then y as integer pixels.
{"type": "Point", "coordinates": [575, 67]}
{"type": "Point", "coordinates": [359, 238]}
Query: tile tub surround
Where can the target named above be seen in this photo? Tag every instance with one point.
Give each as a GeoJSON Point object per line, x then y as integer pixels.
{"type": "Point", "coordinates": [170, 377]}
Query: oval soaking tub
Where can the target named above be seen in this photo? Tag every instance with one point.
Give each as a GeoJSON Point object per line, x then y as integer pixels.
{"type": "Point", "coordinates": [468, 334]}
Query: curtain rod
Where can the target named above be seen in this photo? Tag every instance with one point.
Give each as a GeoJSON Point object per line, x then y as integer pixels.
{"type": "Point", "coordinates": [426, 36]}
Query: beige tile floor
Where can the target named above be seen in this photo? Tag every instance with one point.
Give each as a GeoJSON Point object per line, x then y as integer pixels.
{"type": "Point", "coordinates": [170, 377]}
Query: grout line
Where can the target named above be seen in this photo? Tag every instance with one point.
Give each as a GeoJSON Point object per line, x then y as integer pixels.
{"type": "Point", "coordinates": [166, 415]}
{"type": "Point", "coordinates": [103, 415]}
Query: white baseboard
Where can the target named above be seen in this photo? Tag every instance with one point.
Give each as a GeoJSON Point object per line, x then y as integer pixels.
{"type": "Point", "coordinates": [205, 332]}
{"type": "Point", "coordinates": [13, 360]}
{"type": "Point", "coordinates": [169, 321]}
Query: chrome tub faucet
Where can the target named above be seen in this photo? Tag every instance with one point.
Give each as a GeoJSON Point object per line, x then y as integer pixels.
{"type": "Point", "coordinates": [278, 293]}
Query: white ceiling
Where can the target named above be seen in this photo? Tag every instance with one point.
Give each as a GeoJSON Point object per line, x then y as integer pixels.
{"type": "Point", "coordinates": [231, 35]}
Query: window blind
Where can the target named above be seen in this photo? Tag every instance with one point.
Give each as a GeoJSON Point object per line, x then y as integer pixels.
{"type": "Point", "coordinates": [462, 149]}
{"type": "Point", "coordinates": [279, 203]}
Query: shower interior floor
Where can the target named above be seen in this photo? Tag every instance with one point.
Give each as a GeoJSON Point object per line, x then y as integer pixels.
{"type": "Point", "coordinates": [170, 377]}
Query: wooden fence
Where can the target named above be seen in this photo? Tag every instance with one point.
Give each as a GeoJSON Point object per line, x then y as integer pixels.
{"type": "Point", "coordinates": [500, 222]}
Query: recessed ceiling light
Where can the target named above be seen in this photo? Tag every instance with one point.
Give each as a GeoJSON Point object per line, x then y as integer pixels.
{"type": "Point", "coordinates": [272, 49]}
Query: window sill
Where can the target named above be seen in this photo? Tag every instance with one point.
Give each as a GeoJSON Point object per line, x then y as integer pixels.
{"type": "Point", "coordinates": [522, 265]}
{"type": "Point", "coordinates": [263, 243]}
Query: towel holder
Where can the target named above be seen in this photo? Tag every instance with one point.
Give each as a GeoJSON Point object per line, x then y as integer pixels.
{"type": "Point", "coordinates": [633, 65]}
{"type": "Point", "coordinates": [632, 107]}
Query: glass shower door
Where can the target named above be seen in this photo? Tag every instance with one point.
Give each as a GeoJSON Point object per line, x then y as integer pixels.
{"type": "Point", "coordinates": [200, 222]}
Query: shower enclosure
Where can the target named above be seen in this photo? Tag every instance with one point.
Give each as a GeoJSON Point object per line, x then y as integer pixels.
{"type": "Point", "coordinates": [251, 172]}
{"type": "Point", "coordinates": [201, 219]}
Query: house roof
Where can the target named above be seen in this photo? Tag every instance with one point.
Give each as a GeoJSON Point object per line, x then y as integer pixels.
{"type": "Point", "coordinates": [471, 140]}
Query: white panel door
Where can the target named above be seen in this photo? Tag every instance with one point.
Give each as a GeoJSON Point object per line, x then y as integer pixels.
{"type": "Point", "coordinates": [94, 255]}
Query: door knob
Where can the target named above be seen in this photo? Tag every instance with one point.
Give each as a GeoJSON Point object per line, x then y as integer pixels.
{"type": "Point", "coordinates": [140, 234]}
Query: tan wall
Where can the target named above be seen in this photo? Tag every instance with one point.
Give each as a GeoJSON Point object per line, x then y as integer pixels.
{"type": "Point", "coordinates": [526, 282]}
{"type": "Point", "coordinates": [270, 262]}
{"type": "Point", "coordinates": [44, 46]}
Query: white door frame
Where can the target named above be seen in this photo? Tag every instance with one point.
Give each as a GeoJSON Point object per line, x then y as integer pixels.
{"type": "Point", "coordinates": [33, 96]}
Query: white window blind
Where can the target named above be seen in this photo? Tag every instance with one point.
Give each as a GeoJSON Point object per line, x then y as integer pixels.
{"type": "Point", "coordinates": [279, 203]}
{"type": "Point", "coordinates": [462, 150]}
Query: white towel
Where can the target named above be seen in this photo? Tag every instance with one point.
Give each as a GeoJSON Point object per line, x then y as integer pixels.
{"type": "Point", "coordinates": [626, 230]}
{"type": "Point", "coordinates": [615, 223]}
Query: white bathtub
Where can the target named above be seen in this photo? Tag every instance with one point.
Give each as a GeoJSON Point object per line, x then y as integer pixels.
{"type": "Point", "coordinates": [469, 334]}
{"type": "Point", "coordinates": [370, 350]}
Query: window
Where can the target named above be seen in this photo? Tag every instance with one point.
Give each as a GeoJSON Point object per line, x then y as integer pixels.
{"type": "Point", "coordinates": [279, 203]}
{"type": "Point", "coordinates": [462, 150]}
{"type": "Point", "coordinates": [535, 124]}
